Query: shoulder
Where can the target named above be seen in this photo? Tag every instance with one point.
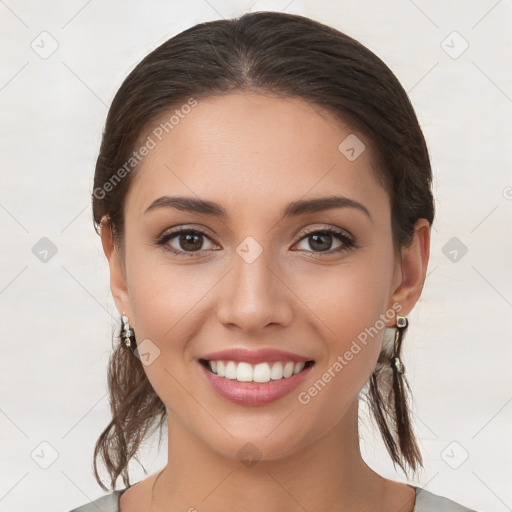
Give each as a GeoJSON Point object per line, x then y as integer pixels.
{"type": "Point", "coordinates": [108, 503]}
{"type": "Point", "coordinates": [428, 502]}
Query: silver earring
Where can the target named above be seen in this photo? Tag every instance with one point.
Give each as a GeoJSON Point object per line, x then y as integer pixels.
{"type": "Point", "coordinates": [401, 325]}
{"type": "Point", "coordinates": [127, 333]}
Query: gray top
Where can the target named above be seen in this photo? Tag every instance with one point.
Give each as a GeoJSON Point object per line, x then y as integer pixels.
{"type": "Point", "coordinates": [425, 502]}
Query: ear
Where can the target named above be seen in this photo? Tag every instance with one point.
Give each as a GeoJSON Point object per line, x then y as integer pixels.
{"type": "Point", "coordinates": [411, 271]}
{"type": "Point", "coordinates": [117, 270]}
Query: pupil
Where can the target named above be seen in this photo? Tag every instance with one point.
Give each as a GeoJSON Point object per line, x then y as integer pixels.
{"type": "Point", "coordinates": [189, 238]}
{"type": "Point", "coordinates": [326, 245]}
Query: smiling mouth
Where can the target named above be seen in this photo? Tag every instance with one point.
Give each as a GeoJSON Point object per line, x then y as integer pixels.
{"type": "Point", "coordinates": [259, 373]}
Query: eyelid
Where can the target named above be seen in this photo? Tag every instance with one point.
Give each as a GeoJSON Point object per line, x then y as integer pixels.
{"type": "Point", "coordinates": [328, 229]}
{"type": "Point", "coordinates": [171, 233]}
{"type": "Point", "coordinates": [179, 228]}
{"type": "Point", "coordinates": [347, 240]}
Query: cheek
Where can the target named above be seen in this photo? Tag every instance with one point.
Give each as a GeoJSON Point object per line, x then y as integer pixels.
{"type": "Point", "coordinates": [349, 298]}
{"type": "Point", "coordinates": [163, 289]}
{"type": "Point", "coordinates": [167, 300]}
{"type": "Point", "coordinates": [354, 303]}
{"type": "Point", "coordinates": [352, 331]}
{"type": "Point", "coordinates": [166, 304]}
{"type": "Point", "coordinates": [352, 315]}
{"type": "Point", "coordinates": [353, 343]}
{"type": "Point", "coordinates": [169, 303]}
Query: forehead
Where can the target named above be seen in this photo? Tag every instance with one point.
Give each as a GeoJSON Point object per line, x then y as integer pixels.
{"type": "Point", "coordinates": [252, 150]}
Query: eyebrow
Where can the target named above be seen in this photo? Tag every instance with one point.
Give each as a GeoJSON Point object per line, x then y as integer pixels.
{"type": "Point", "coordinates": [191, 204]}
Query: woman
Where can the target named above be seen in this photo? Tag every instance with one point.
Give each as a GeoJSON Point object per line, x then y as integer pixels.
{"type": "Point", "coordinates": [263, 195]}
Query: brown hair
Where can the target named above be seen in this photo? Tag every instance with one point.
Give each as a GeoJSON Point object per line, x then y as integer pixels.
{"type": "Point", "coordinates": [291, 56]}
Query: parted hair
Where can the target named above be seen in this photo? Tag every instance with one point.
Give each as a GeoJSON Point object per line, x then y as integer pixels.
{"type": "Point", "coordinates": [290, 56]}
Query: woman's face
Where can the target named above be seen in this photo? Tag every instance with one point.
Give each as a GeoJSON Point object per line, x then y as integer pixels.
{"type": "Point", "coordinates": [254, 279]}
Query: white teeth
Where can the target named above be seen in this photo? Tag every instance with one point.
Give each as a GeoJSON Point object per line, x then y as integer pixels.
{"type": "Point", "coordinates": [277, 371]}
{"type": "Point", "coordinates": [262, 372]}
{"type": "Point", "coordinates": [298, 368]}
{"type": "Point", "coordinates": [244, 372]}
{"type": "Point", "coordinates": [288, 369]}
{"type": "Point", "coordinates": [231, 370]}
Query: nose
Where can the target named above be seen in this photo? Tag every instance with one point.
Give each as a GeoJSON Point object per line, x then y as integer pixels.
{"type": "Point", "coordinates": [254, 295]}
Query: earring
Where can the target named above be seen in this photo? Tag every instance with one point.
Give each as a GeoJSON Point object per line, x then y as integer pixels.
{"type": "Point", "coordinates": [127, 333]}
{"type": "Point", "coordinates": [401, 325]}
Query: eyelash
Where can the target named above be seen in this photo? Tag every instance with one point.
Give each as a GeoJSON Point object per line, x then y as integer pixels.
{"type": "Point", "coordinates": [348, 241]}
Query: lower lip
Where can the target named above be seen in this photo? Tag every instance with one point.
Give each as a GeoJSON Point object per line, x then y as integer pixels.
{"type": "Point", "coordinates": [254, 393]}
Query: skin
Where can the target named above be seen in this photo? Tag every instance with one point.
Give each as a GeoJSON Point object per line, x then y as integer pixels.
{"type": "Point", "coordinates": [254, 154]}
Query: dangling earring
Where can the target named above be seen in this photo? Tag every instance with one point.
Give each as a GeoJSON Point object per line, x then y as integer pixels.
{"type": "Point", "coordinates": [401, 325]}
{"type": "Point", "coordinates": [127, 333]}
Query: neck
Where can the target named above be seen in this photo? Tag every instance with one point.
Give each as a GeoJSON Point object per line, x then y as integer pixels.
{"type": "Point", "coordinates": [326, 474]}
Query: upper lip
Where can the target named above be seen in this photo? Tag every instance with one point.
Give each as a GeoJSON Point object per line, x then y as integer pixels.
{"type": "Point", "coordinates": [255, 356]}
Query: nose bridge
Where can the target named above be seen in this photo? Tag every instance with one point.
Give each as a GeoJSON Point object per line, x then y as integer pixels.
{"type": "Point", "coordinates": [253, 296]}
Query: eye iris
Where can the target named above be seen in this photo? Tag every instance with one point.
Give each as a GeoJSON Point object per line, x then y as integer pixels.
{"type": "Point", "coordinates": [323, 246]}
{"type": "Point", "coordinates": [190, 238]}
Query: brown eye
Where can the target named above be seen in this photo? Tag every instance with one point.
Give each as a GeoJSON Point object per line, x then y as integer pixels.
{"type": "Point", "coordinates": [190, 241]}
{"type": "Point", "coordinates": [321, 240]}
{"type": "Point", "coordinates": [184, 242]}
